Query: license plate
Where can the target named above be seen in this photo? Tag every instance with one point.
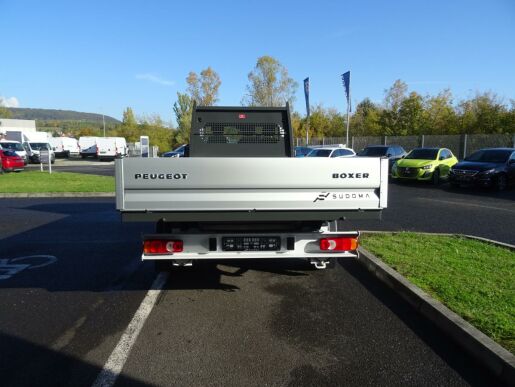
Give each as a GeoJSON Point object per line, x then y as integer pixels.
{"type": "Point", "coordinates": [251, 243]}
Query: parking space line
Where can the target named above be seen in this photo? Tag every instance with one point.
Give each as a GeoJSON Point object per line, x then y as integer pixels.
{"type": "Point", "coordinates": [466, 204]}
{"type": "Point", "coordinates": [114, 365]}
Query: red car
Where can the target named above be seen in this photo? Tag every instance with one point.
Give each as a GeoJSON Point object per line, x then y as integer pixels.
{"type": "Point", "coordinates": [10, 161]}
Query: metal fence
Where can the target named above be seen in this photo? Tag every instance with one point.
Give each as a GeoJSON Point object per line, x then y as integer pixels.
{"type": "Point", "coordinates": [134, 150]}
{"type": "Point", "coordinates": [461, 145]}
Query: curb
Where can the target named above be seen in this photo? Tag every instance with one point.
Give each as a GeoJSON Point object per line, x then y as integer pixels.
{"type": "Point", "coordinates": [493, 356]}
{"type": "Point", "coordinates": [58, 195]}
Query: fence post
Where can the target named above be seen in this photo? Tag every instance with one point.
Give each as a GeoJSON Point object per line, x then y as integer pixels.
{"type": "Point", "coordinates": [465, 145]}
{"type": "Point", "coordinates": [352, 142]}
{"type": "Point", "coordinates": [422, 141]}
{"type": "Point", "coordinates": [384, 140]}
{"type": "Point", "coordinates": [323, 141]}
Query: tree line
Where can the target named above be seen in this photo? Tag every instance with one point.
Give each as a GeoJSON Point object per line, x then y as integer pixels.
{"type": "Point", "coordinates": [402, 112]}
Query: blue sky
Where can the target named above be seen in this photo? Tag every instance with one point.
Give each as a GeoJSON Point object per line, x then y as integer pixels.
{"type": "Point", "coordinates": [102, 56]}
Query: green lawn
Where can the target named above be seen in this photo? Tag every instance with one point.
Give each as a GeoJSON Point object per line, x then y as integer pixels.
{"type": "Point", "coordinates": [36, 181]}
{"type": "Point", "coordinates": [474, 279]}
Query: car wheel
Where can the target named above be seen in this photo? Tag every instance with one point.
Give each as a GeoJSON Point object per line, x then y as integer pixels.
{"type": "Point", "coordinates": [501, 183]}
{"type": "Point", "coordinates": [436, 177]}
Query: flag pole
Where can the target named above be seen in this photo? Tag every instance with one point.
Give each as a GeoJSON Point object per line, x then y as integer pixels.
{"type": "Point", "coordinates": [348, 118]}
{"type": "Point", "coordinates": [307, 131]}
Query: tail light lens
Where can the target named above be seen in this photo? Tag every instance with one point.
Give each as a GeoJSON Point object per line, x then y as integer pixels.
{"type": "Point", "coordinates": [339, 244]}
{"type": "Point", "coordinates": [162, 246]}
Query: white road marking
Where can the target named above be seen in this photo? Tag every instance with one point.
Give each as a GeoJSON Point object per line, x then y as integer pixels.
{"type": "Point", "coordinates": [467, 204]}
{"type": "Point", "coordinates": [114, 365]}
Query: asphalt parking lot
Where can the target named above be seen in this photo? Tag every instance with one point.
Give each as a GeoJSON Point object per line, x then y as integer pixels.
{"type": "Point", "coordinates": [72, 281]}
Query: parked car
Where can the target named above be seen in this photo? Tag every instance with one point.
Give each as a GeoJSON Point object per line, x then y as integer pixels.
{"type": "Point", "coordinates": [181, 151]}
{"type": "Point", "coordinates": [424, 164]}
{"type": "Point", "coordinates": [335, 151]}
{"type": "Point", "coordinates": [393, 152]}
{"type": "Point", "coordinates": [17, 147]}
{"type": "Point", "coordinates": [494, 167]}
{"type": "Point", "coordinates": [302, 151]}
{"type": "Point", "coordinates": [11, 161]}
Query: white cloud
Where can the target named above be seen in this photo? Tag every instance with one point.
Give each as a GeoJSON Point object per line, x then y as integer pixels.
{"type": "Point", "coordinates": [155, 79]}
{"type": "Point", "coordinates": [9, 101]}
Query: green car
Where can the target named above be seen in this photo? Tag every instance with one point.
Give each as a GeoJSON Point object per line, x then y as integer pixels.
{"type": "Point", "coordinates": [424, 164]}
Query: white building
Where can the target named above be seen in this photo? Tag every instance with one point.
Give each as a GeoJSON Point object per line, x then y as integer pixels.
{"type": "Point", "coordinates": [20, 125]}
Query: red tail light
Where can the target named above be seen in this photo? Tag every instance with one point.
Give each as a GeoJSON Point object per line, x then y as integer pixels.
{"type": "Point", "coordinates": [162, 246]}
{"type": "Point", "coordinates": [339, 244]}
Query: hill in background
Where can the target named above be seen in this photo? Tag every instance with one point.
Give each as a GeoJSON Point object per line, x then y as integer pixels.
{"type": "Point", "coordinates": [59, 115]}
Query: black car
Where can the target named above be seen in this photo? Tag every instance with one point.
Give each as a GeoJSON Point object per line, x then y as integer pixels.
{"type": "Point", "coordinates": [393, 152]}
{"type": "Point", "coordinates": [493, 167]}
{"type": "Point", "coordinates": [181, 151]}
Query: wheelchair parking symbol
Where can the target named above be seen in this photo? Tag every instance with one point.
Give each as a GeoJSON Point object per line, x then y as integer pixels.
{"type": "Point", "coordinates": [13, 266]}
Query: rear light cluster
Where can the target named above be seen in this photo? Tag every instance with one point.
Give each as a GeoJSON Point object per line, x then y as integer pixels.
{"type": "Point", "coordinates": [162, 246]}
{"type": "Point", "coordinates": [339, 244]}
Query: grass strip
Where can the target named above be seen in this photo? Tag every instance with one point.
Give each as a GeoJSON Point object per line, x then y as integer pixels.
{"type": "Point", "coordinates": [37, 181]}
{"type": "Point", "coordinates": [472, 278]}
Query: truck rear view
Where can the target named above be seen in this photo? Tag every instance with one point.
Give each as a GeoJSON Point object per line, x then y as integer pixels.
{"type": "Point", "coordinates": [242, 194]}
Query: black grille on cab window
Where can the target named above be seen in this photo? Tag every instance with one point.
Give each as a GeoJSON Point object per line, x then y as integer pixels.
{"type": "Point", "coordinates": [240, 133]}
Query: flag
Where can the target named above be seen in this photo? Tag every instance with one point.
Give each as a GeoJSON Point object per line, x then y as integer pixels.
{"type": "Point", "coordinates": [306, 93]}
{"type": "Point", "coordinates": [346, 85]}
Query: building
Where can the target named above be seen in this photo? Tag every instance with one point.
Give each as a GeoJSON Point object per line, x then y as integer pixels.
{"type": "Point", "coordinates": [19, 125]}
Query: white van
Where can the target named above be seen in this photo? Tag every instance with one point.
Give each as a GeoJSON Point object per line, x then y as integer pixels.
{"type": "Point", "coordinates": [65, 146]}
{"type": "Point", "coordinates": [121, 147]}
{"type": "Point", "coordinates": [88, 146]}
{"type": "Point", "coordinates": [16, 147]}
{"type": "Point", "coordinates": [106, 148]}
{"type": "Point", "coordinates": [34, 149]}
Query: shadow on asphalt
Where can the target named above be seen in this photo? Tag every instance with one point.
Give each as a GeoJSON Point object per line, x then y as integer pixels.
{"type": "Point", "coordinates": [443, 346]}
{"type": "Point", "coordinates": [22, 362]}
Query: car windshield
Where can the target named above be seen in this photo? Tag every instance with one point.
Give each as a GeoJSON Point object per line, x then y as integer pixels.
{"type": "Point", "coordinates": [423, 154]}
{"type": "Point", "coordinates": [302, 151]}
{"type": "Point", "coordinates": [180, 149]}
{"type": "Point", "coordinates": [374, 151]}
{"type": "Point", "coordinates": [38, 145]}
{"type": "Point", "coordinates": [490, 156]}
{"type": "Point", "coordinates": [319, 153]}
{"type": "Point", "coordinates": [14, 146]}
{"type": "Point", "coordinates": [9, 153]}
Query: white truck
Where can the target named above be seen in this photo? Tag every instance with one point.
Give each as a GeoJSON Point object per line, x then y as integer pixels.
{"type": "Point", "coordinates": [242, 194]}
{"type": "Point", "coordinates": [65, 146]}
{"type": "Point", "coordinates": [88, 146]}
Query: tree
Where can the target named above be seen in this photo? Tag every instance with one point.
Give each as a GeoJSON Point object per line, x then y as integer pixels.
{"type": "Point", "coordinates": [183, 108]}
{"type": "Point", "coordinates": [411, 115]}
{"type": "Point", "coordinates": [204, 89]}
{"type": "Point", "coordinates": [269, 84]}
{"type": "Point", "coordinates": [4, 112]}
{"type": "Point", "coordinates": [128, 118]}
{"type": "Point", "coordinates": [365, 121]}
{"type": "Point", "coordinates": [440, 114]}
{"type": "Point", "coordinates": [483, 114]}
{"type": "Point", "coordinates": [389, 118]}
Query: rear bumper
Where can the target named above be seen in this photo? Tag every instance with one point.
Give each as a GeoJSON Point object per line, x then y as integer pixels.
{"type": "Point", "coordinates": [293, 245]}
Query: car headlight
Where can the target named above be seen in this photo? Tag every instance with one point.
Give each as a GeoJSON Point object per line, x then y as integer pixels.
{"type": "Point", "coordinates": [426, 167]}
